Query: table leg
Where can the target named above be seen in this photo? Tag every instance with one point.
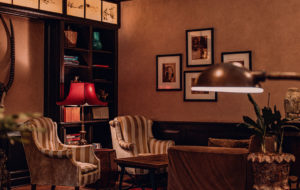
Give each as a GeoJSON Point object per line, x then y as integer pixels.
{"type": "Point", "coordinates": [121, 177]}
{"type": "Point", "coordinates": [152, 176]}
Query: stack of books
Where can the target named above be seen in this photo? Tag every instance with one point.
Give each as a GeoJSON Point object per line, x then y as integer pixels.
{"type": "Point", "coordinates": [73, 139]}
{"type": "Point", "coordinates": [71, 60]}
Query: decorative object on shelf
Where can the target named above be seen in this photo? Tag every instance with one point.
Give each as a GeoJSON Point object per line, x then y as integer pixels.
{"type": "Point", "coordinates": [83, 94]}
{"type": "Point", "coordinates": [70, 38]}
{"type": "Point", "coordinates": [102, 95]}
{"type": "Point", "coordinates": [93, 9]}
{"type": "Point", "coordinates": [242, 57]}
{"type": "Point", "coordinates": [199, 47]}
{"type": "Point", "coordinates": [292, 104]}
{"type": "Point", "coordinates": [109, 12]}
{"type": "Point", "coordinates": [28, 3]}
{"type": "Point", "coordinates": [97, 145]}
{"type": "Point", "coordinates": [101, 113]}
{"type": "Point", "coordinates": [55, 6]}
{"type": "Point", "coordinates": [270, 170]}
{"type": "Point", "coordinates": [97, 45]}
{"type": "Point", "coordinates": [75, 8]}
{"type": "Point", "coordinates": [190, 79]}
{"type": "Point", "coordinates": [168, 72]}
{"type": "Point", "coordinates": [4, 88]}
{"type": "Point", "coordinates": [6, 1]}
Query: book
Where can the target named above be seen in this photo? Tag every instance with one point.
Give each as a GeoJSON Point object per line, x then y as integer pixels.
{"type": "Point", "coordinates": [71, 114]}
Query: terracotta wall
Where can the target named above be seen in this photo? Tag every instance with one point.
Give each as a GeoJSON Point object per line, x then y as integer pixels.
{"type": "Point", "coordinates": [27, 91]}
{"type": "Point", "coordinates": [269, 28]}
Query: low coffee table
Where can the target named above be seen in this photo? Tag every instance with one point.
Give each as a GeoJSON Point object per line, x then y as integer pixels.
{"type": "Point", "coordinates": [151, 163]}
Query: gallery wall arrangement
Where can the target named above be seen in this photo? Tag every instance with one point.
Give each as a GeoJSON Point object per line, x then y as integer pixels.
{"type": "Point", "coordinates": [97, 10]}
{"type": "Point", "coordinates": [199, 53]}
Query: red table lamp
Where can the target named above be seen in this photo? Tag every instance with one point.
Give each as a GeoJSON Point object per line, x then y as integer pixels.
{"type": "Point", "coordinates": [82, 93]}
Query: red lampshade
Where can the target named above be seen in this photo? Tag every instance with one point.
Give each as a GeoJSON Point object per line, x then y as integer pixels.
{"type": "Point", "coordinates": [82, 93]}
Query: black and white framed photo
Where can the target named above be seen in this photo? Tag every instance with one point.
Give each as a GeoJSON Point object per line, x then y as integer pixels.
{"type": "Point", "coordinates": [242, 57]}
{"type": "Point", "coordinates": [199, 47]}
{"type": "Point", "coordinates": [190, 79]}
{"type": "Point", "coordinates": [168, 72]}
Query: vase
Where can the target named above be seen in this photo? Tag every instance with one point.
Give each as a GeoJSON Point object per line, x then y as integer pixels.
{"type": "Point", "coordinates": [97, 45]}
{"type": "Point", "coordinates": [292, 103]}
{"type": "Point", "coordinates": [270, 170]}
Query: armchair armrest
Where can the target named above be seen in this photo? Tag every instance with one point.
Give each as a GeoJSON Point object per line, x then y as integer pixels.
{"type": "Point", "coordinates": [123, 144]}
{"type": "Point", "coordinates": [82, 153]}
{"type": "Point", "coordinates": [57, 153]}
{"type": "Point", "coordinates": [160, 146]}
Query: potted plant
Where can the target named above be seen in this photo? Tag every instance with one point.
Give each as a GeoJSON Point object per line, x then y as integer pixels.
{"type": "Point", "coordinates": [270, 168]}
{"type": "Point", "coordinates": [9, 123]}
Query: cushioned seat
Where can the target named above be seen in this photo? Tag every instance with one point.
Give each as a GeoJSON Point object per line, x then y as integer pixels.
{"type": "Point", "coordinates": [86, 167]}
{"type": "Point", "coordinates": [52, 163]}
{"type": "Point", "coordinates": [132, 136]}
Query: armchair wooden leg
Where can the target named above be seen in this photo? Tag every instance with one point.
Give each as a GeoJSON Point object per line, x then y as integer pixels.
{"type": "Point", "coordinates": [33, 186]}
{"type": "Point", "coordinates": [53, 187]}
{"type": "Point", "coordinates": [77, 188]}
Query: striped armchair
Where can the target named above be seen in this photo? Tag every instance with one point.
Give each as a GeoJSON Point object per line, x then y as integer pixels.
{"type": "Point", "coordinates": [52, 163]}
{"type": "Point", "coordinates": [132, 136]}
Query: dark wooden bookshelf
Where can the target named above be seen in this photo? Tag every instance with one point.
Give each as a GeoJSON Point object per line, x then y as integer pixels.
{"type": "Point", "coordinates": [96, 66]}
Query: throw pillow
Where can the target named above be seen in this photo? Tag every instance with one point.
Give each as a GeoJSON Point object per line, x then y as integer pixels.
{"type": "Point", "coordinates": [230, 143]}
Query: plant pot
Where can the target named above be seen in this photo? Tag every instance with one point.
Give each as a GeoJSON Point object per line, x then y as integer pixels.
{"type": "Point", "coordinates": [271, 171]}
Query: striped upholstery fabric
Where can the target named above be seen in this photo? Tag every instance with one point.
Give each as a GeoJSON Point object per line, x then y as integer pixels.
{"type": "Point", "coordinates": [44, 135]}
{"type": "Point", "coordinates": [132, 136]}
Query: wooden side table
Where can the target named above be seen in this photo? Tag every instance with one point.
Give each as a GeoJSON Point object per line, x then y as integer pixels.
{"type": "Point", "coordinates": [150, 162]}
{"type": "Point", "coordinates": [109, 168]}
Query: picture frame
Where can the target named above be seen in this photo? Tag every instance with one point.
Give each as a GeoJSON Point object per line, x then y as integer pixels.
{"type": "Point", "coordinates": [243, 57]}
{"type": "Point", "coordinates": [190, 78]}
{"type": "Point", "coordinates": [55, 6]}
{"type": "Point", "coordinates": [110, 12]}
{"type": "Point", "coordinates": [199, 47]}
{"type": "Point", "coordinates": [168, 72]}
{"type": "Point", "coordinates": [93, 9]}
{"type": "Point", "coordinates": [34, 4]}
{"type": "Point", "coordinates": [75, 8]}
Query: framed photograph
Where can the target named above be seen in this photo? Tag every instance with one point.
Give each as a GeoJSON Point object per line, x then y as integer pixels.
{"type": "Point", "coordinates": [6, 1]}
{"type": "Point", "coordinates": [243, 57]}
{"type": "Point", "coordinates": [93, 10]}
{"type": "Point", "coordinates": [109, 12]}
{"type": "Point", "coordinates": [75, 8]}
{"type": "Point", "coordinates": [168, 72]}
{"type": "Point", "coordinates": [199, 47]}
{"type": "Point", "coordinates": [55, 6]}
{"type": "Point", "coordinates": [190, 79]}
{"type": "Point", "coordinates": [28, 3]}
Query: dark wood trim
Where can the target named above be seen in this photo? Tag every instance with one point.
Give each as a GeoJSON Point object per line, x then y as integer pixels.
{"type": "Point", "coordinates": [197, 133]}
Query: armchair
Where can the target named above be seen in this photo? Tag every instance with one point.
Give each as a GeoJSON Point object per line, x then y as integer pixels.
{"type": "Point", "coordinates": [132, 136]}
{"type": "Point", "coordinates": [52, 163]}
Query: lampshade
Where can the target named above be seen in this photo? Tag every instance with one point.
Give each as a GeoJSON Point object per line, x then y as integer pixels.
{"type": "Point", "coordinates": [227, 77]}
{"type": "Point", "coordinates": [82, 93]}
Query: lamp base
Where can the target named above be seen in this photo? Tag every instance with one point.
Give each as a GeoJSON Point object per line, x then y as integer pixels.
{"type": "Point", "coordinates": [82, 138]}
